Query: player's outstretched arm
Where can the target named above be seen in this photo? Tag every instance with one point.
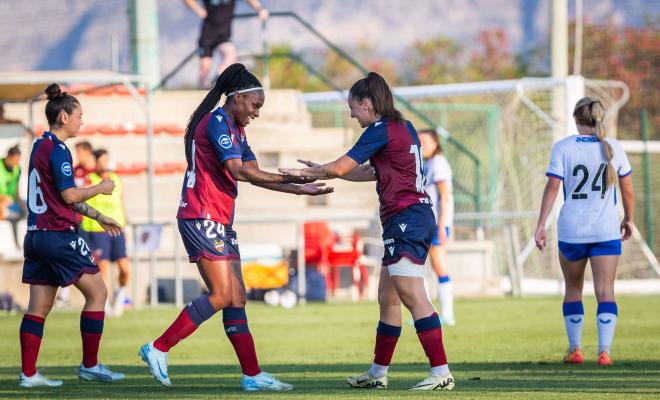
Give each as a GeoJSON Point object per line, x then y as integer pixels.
{"type": "Point", "coordinates": [628, 197]}
{"type": "Point", "coordinates": [361, 173]}
{"type": "Point", "coordinates": [79, 195]}
{"type": "Point", "coordinates": [109, 224]}
{"type": "Point", "coordinates": [247, 172]}
{"type": "Point", "coordinates": [549, 195]}
{"type": "Point", "coordinates": [336, 169]}
{"type": "Point", "coordinates": [310, 189]}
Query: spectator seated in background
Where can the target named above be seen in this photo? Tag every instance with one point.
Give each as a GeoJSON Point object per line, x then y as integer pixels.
{"type": "Point", "coordinates": [12, 207]}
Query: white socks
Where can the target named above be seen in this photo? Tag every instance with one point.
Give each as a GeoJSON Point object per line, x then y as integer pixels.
{"type": "Point", "coordinates": [606, 317]}
{"type": "Point", "coordinates": [440, 370]}
{"type": "Point", "coordinates": [574, 319]}
{"type": "Point", "coordinates": [446, 297]}
{"type": "Point", "coordinates": [378, 371]}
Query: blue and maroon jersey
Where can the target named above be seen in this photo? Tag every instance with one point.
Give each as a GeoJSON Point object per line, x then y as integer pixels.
{"type": "Point", "coordinates": [394, 152]}
{"type": "Point", "coordinates": [208, 188]}
{"type": "Point", "coordinates": [49, 174]}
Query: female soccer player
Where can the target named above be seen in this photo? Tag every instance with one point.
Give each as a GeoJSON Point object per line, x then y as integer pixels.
{"type": "Point", "coordinates": [438, 175]}
{"type": "Point", "coordinates": [109, 248]}
{"type": "Point", "coordinates": [588, 227]}
{"type": "Point", "coordinates": [55, 256]}
{"type": "Point", "coordinates": [392, 147]}
{"type": "Point", "coordinates": [218, 156]}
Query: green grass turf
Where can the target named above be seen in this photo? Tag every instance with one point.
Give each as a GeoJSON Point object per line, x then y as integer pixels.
{"type": "Point", "coordinates": [501, 348]}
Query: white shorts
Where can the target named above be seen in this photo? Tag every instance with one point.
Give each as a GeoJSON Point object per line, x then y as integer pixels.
{"type": "Point", "coordinates": [405, 267]}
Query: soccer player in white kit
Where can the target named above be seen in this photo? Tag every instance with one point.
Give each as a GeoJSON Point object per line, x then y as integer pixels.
{"type": "Point", "coordinates": [438, 174]}
{"type": "Point", "coordinates": [589, 164]}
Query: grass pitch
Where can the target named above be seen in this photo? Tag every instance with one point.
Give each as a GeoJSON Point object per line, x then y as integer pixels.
{"type": "Point", "coordinates": [500, 348]}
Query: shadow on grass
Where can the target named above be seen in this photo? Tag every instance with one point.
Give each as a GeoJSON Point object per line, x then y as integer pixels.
{"type": "Point", "coordinates": [327, 380]}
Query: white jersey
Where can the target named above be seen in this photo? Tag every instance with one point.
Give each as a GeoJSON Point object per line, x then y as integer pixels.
{"type": "Point", "coordinates": [589, 214]}
{"type": "Point", "coordinates": [437, 169]}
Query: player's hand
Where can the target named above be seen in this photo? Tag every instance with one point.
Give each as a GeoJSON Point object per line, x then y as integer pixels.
{"type": "Point", "coordinates": [315, 189]}
{"type": "Point", "coordinates": [263, 14]}
{"type": "Point", "coordinates": [626, 229]}
{"type": "Point", "coordinates": [296, 175]}
{"type": "Point", "coordinates": [106, 186]}
{"type": "Point", "coordinates": [110, 225]}
{"type": "Point", "coordinates": [308, 163]}
{"type": "Point", "coordinates": [291, 171]}
{"type": "Point", "coordinates": [442, 235]}
{"type": "Point", "coordinates": [540, 237]}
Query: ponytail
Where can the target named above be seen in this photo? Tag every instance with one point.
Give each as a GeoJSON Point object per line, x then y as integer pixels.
{"type": "Point", "coordinates": [376, 89]}
{"type": "Point", "coordinates": [233, 78]}
{"type": "Point", "coordinates": [590, 112]}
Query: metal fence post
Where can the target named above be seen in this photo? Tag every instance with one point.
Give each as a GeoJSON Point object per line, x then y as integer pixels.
{"type": "Point", "coordinates": [648, 201]}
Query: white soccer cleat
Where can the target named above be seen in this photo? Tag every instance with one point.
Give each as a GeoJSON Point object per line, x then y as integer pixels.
{"type": "Point", "coordinates": [434, 382]}
{"type": "Point", "coordinates": [157, 362]}
{"type": "Point", "coordinates": [366, 381]}
{"type": "Point", "coordinates": [99, 372]}
{"type": "Point", "coordinates": [37, 380]}
{"type": "Point", "coordinates": [263, 381]}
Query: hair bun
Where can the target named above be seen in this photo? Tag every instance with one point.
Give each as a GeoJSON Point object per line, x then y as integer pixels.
{"type": "Point", "coordinates": [53, 91]}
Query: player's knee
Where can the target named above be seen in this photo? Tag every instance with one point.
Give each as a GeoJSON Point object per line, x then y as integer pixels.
{"type": "Point", "coordinates": [604, 294]}
{"type": "Point", "coordinates": [220, 299]}
{"type": "Point", "coordinates": [387, 300]}
{"type": "Point", "coordinates": [42, 309]}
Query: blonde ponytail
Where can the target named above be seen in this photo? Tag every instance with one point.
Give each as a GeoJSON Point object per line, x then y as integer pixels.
{"type": "Point", "coordinates": [598, 114]}
{"type": "Point", "coordinates": [590, 112]}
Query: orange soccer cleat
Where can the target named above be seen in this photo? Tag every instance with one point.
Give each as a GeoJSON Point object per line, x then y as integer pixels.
{"type": "Point", "coordinates": [605, 359]}
{"type": "Point", "coordinates": [574, 357]}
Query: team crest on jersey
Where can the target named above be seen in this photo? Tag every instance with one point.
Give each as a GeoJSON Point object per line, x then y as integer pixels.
{"type": "Point", "coordinates": [225, 142]}
{"type": "Point", "coordinates": [219, 245]}
{"type": "Point", "coordinates": [403, 227]}
{"type": "Point", "coordinates": [66, 169]}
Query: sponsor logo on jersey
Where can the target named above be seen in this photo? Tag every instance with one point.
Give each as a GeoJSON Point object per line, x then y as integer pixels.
{"type": "Point", "coordinates": [219, 245]}
{"type": "Point", "coordinates": [66, 169]}
{"type": "Point", "coordinates": [198, 225]}
{"type": "Point", "coordinates": [403, 227]}
{"type": "Point", "coordinates": [225, 142]}
{"type": "Point", "coordinates": [388, 241]}
{"type": "Point", "coordinates": [586, 139]}
{"type": "Point", "coordinates": [62, 146]}
{"type": "Point", "coordinates": [73, 244]}
{"type": "Point", "coordinates": [377, 123]}
{"type": "Point", "coordinates": [391, 250]}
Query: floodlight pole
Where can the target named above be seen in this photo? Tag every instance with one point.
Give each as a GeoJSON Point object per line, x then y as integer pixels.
{"type": "Point", "coordinates": [143, 17]}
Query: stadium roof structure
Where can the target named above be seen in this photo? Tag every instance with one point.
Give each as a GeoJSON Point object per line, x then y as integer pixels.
{"type": "Point", "coordinates": [23, 86]}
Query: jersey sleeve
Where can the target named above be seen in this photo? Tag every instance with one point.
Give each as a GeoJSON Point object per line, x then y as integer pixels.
{"type": "Point", "coordinates": [248, 154]}
{"type": "Point", "coordinates": [556, 167]}
{"type": "Point", "coordinates": [372, 140]}
{"type": "Point", "coordinates": [220, 138]}
{"type": "Point", "coordinates": [441, 169]}
{"type": "Point", "coordinates": [620, 160]}
{"type": "Point", "coordinates": [61, 169]}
